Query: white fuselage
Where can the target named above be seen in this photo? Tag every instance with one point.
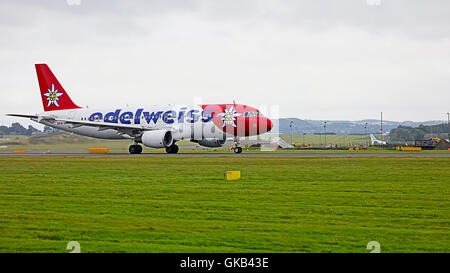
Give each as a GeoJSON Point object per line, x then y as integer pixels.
{"type": "Point", "coordinates": [186, 122]}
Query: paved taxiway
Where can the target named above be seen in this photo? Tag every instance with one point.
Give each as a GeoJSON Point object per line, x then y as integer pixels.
{"type": "Point", "coordinates": [271, 154]}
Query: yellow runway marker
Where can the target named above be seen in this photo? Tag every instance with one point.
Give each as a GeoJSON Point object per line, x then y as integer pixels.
{"type": "Point", "coordinates": [232, 175]}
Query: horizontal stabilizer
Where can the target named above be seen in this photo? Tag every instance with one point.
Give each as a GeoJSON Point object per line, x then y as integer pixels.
{"type": "Point", "coordinates": [22, 116]}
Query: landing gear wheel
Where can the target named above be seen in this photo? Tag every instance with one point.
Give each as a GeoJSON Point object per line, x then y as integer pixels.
{"type": "Point", "coordinates": [135, 149]}
{"type": "Point", "coordinates": [139, 149]}
{"type": "Point", "coordinates": [172, 149]}
{"type": "Point", "coordinates": [237, 150]}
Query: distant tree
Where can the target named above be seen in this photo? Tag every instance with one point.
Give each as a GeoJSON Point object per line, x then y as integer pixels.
{"type": "Point", "coordinates": [31, 130]}
{"type": "Point", "coordinates": [17, 129]}
{"type": "Point", "coordinates": [3, 131]}
{"type": "Point", "coordinates": [406, 133]}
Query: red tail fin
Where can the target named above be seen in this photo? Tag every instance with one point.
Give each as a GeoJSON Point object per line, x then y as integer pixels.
{"type": "Point", "coordinates": [54, 97]}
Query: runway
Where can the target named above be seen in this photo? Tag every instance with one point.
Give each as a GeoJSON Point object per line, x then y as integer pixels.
{"type": "Point", "coordinates": [268, 154]}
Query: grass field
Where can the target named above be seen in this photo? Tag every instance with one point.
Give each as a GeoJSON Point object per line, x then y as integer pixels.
{"type": "Point", "coordinates": [184, 204]}
{"type": "Point", "coordinates": [319, 140]}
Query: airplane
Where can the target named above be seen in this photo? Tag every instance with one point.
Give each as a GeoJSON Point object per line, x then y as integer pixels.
{"type": "Point", "coordinates": [157, 126]}
{"type": "Point", "coordinates": [375, 141]}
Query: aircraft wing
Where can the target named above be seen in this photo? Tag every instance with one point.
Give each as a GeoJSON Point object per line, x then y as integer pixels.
{"type": "Point", "coordinates": [101, 125]}
{"type": "Point", "coordinates": [122, 129]}
{"type": "Point", "coordinates": [36, 117]}
{"type": "Point", "coordinates": [128, 129]}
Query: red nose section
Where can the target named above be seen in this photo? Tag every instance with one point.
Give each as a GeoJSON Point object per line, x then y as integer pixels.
{"type": "Point", "coordinates": [239, 119]}
{"type": "Point", "coordinates": [256, 125]}
{"type": "Point", "coordinates": [269, 125]}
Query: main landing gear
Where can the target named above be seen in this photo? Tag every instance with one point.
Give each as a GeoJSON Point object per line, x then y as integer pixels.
{"type": "Point", "coordinates": [172, 149]}
{"type": "Point", "coordinates": [135, 149]}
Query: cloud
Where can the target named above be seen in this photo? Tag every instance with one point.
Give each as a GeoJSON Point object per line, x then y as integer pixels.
{"type": "Point", "coordinates": [316, 59]}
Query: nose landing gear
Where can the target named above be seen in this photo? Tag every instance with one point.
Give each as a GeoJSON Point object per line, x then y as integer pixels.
{"type": "Point", "coordinates": [237, 150]}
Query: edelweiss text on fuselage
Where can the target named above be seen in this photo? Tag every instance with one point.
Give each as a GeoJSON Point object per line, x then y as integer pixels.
{"type": "Point", "coordinates": [169, 117]}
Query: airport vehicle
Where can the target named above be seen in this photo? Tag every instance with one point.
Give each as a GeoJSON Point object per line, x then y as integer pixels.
{"type": "Point", "coordinates": [157, 126]}
{"type": "Point", "coordinates": [375, 141]}
{"type": "Point", "coordinates": [432, 143]}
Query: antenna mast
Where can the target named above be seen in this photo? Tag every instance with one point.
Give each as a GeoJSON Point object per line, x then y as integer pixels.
{"type": "Point", "coordinates": [381, 125]}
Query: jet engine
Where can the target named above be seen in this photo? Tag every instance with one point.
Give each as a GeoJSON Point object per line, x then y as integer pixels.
{"type": "Point", "coordinates": [157, 138]}
{"type": "Point", "coordinates": [211, 142]}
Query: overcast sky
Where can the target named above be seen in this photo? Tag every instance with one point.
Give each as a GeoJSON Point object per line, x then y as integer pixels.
{"type": "Point", "coordinates": [316, 59]}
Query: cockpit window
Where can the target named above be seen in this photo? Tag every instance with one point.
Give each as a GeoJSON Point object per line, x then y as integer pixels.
{"type": "Point", "coordinates": [251, 114]}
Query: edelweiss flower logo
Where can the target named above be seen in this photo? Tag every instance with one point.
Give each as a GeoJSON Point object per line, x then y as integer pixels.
{"type": "Point", "coordinates": [53, 96]}
{"type": "Point", "coordinates": [229, 117]}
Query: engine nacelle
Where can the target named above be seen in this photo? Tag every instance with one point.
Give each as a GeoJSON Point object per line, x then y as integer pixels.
{"type": "Point", "coordinates": [211, 142]}
{"type": "Point", "coordinates": [157, 138]}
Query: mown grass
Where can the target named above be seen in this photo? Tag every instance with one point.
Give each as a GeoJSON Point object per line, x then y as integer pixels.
{"type": "Point", "coordinates": [185, 205]}
{"type": "Point", "coordinates": [319, 140]}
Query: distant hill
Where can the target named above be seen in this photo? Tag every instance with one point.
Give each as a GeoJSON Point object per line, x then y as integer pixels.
{"type": "Point", "coordinates": [341, 127]}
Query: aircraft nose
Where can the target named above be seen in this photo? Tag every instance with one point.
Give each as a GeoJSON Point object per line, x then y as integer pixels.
{"type": "Point", "coordinates": [265, 125]}
{"type": "Point", "coordinates": [269, 125]}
